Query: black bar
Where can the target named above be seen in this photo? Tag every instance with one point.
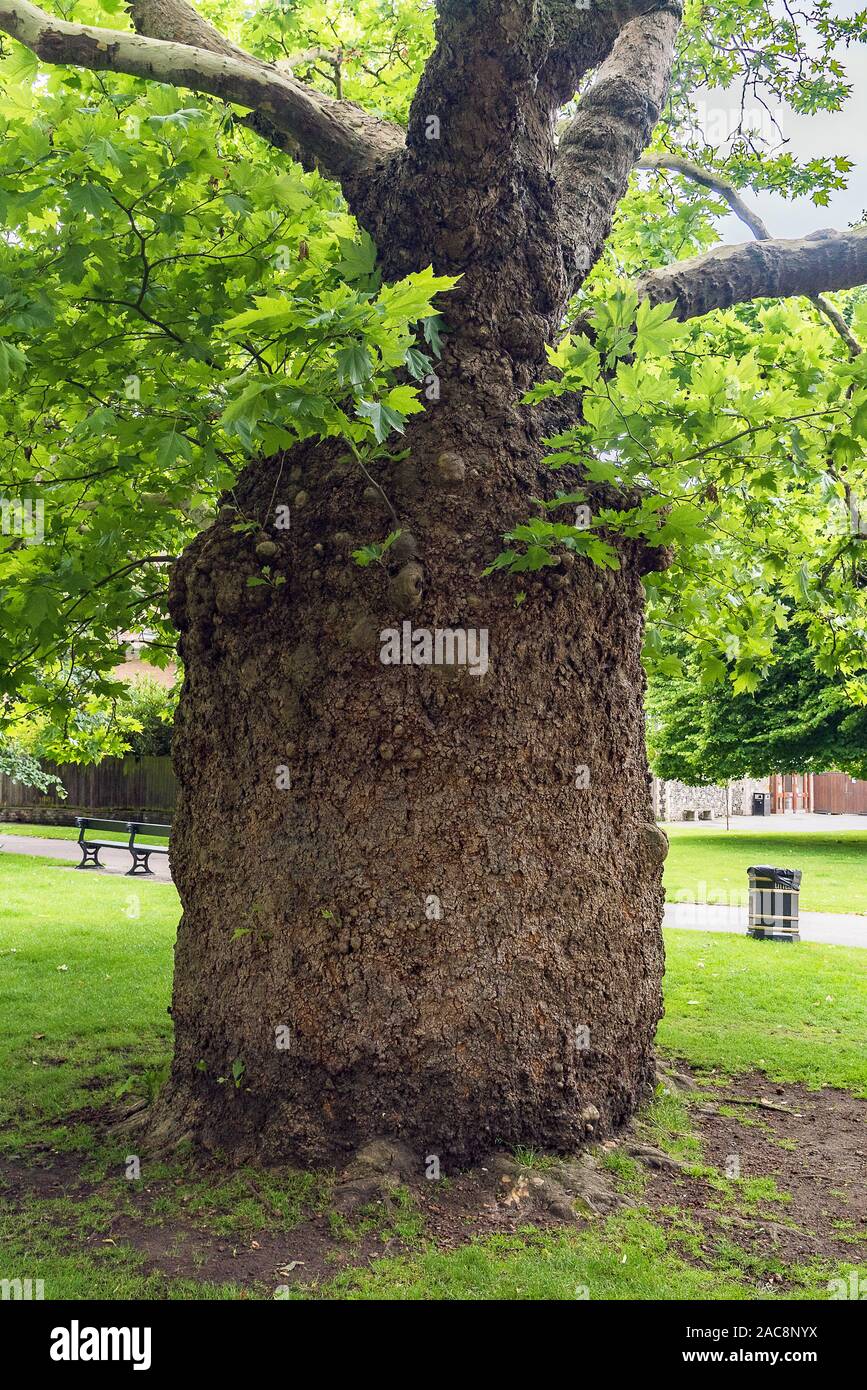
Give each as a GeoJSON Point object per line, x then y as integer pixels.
{"type": "Point", "coordinates": [821, 1337]}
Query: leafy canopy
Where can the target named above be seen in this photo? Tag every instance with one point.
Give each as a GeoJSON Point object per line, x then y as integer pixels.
{"type": "Point", "coordinates": [176, 296]}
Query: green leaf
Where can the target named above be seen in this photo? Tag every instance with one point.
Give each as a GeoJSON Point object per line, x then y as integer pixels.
{"type": "Point", "coordinates": [358, 258]}
{"type": "Point", "coordinates": [382, 418]}
{"type": "Point", "coordinates": [417, 363]}
{"type": "Point", "coordinates": [656, 330]}
{"type": "Point", "coordinates": [433, 326]}
{"type": "Point", "coordinates": [354, 364]}
{"type": "Point", "coordinates": [368, 554]}
{"type": "Point", "coordinates": [12, 362]}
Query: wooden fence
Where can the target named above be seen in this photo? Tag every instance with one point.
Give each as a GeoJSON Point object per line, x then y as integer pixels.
{"type": "Point", "coordinates": [837, 794]}
{"type": "Point", "coordinates": [126, 788]}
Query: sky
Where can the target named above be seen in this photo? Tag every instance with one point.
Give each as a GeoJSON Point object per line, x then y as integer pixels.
{"type": "Point", "coordinates": [826, 133]}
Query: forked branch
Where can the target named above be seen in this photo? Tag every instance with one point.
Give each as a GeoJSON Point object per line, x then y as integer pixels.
{"type": "Point", "coordinates": [336, 136]}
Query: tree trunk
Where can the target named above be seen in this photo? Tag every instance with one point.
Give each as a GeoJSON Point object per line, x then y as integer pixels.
{"type": "Point", "coordinates": [437, 932]}
{"type": "Point", "coordinates": [420, 901]}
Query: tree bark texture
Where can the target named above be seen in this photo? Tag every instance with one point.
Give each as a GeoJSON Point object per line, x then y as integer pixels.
{"type": "Point", "coordinates": [451, 919]}
{"type": "Point", "coordinates": [437, 932]}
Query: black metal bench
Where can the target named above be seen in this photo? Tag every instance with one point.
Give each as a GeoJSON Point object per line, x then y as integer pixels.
{"type": "Point", "coordinates": [141, 853]}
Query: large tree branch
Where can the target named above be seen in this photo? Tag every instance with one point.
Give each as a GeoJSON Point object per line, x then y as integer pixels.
{"type": "Point", "coordinates": [613, 123]}
{"type": "Point", "coordinates": [336, 136]}
{"type": "Point", "coordinates": [177, 22]}
{"type": "Point", "coordinates": [767, 269]}
{"type": "Point", "coordinates": [718, 183]}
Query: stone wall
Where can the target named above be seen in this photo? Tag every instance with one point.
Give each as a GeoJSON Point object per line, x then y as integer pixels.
{"type": "Point", "coordinates": [676, 801]}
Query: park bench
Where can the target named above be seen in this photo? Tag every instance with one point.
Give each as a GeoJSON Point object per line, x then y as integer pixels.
{"type": "Point", "coordinates": [140, 852]}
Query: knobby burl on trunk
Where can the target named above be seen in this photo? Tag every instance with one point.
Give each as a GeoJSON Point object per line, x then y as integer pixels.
{"type": "Point", "coordinates": [419, 901]}
{"type": "Point", "coordinates": [528, 999]}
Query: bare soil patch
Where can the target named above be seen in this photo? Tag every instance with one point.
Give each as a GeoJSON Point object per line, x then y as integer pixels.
{"type": "Point", "coordinates": [812, 1144]}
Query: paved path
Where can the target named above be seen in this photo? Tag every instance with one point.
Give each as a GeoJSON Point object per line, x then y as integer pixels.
{"type": "Point", "coordinates": [794, 823]}
{"type": "Point", "coordinates": [831, 928]}
{"type": "Point", "coordinates": [837, 928]}
{"type": "Point", "coordinates": [116, 861]}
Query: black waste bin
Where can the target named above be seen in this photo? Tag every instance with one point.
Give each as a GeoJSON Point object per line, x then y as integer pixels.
{"type": "Point", "coordinates": [761, 803]}
{"type": "Point", "coordinates": [773, 912]}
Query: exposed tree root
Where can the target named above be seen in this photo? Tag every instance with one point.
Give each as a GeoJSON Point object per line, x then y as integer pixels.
{"type": "Point", "coordinates": [570, 1189]}
{"type": "Point", "coordinates": [652, 1156]}
{"type": "Point", "coordinates": [708, 1108]}
{"type": "Point", "coordinates": [675, 1080]}
{"type": "Point", "coordinates": [375, 1171]}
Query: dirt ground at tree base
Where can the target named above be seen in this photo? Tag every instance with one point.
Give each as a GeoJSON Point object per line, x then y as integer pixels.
{"type": "Point", "coordinates": [811, 1144]}
{"type": "Point", "coordinates": [789, 1187]}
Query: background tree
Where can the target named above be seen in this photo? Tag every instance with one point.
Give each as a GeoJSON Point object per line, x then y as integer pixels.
{"type": "Point", "coordinates": [138, 719]}
{"type": "Point", "coordinates": [418, 901]}
{"type": "Point", "coordinates": [797, 720]}
{"type": "Point", "coordinates": [20, 765]}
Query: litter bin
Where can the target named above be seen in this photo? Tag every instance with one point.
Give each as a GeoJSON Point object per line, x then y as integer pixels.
{"type": "Point", "coordinates": [761, 803]}
{"type": "Point", "coordinates": [773, 911]}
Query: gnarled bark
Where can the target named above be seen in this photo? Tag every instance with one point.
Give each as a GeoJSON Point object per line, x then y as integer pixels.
{"type": "Point", "coordinates": [457, 940]}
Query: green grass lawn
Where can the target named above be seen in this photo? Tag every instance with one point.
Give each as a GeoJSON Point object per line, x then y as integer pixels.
{"type": "Point", "coordinates": [85, 966]}
{"type": "Point", "coordinates": [798, 1013]}
{"type": "Point", "coordinates": [70, 832]}
{"type": "Point", "coordinates": [85, 973]}
{"type": "Point", "coordinates": [711, 866]}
